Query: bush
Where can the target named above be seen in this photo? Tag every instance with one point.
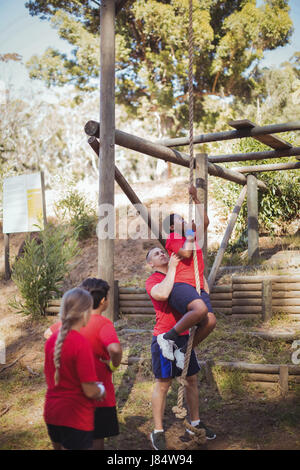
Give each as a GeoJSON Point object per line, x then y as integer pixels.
{"type": "Point", "coordinates": [280, 203]}
{"type": "Point", "coordinates": [41, 270]}
{"type": "Point", "coordinates": [78, 212]}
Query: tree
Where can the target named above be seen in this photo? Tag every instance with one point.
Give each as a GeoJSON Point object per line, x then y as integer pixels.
{"type": "Point", "coordinates": [152, 50]}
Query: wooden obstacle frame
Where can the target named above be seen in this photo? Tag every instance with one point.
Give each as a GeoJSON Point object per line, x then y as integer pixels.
{"type": "Point", "coordinates": [104, 137]}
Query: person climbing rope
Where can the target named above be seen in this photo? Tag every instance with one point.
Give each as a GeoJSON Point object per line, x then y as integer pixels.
{"type": "Point", "coordinates": [159, 286]}
{"type": "Point", "coordinates": [184, 298]}
{"type": "Point", "coordinates": [72, 383]}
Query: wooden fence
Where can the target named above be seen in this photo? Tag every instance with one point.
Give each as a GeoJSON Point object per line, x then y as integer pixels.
{"type": "Point", "coordinates": [244, 297]}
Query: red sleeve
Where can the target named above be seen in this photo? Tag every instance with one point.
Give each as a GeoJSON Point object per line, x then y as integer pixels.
{"type": "Point", "coordinates": [173, 244]}
{"type": "Point", "coordinates": [55, 327]}
{"type": "Point", "coordinates": [85, 362]}
{"type": "Point", "coordinates": [151, 282]}
{"type": "Point", "coordinates": [108, 335]}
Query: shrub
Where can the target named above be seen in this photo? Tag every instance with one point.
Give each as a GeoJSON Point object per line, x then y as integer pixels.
{"type": "Point", "coordinates": [74, 208]}
{"type": "Point", "coordinates": [40, 272]}
{"type": "Point", "coordinates": [280, 203]}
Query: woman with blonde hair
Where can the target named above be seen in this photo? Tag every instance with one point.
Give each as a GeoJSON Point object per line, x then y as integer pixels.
{"type": "Point", "coordinates": [71, 377]}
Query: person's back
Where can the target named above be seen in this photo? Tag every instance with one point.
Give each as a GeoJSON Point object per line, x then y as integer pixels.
{"type": "Point", "coordinates": [66, 404]}
{"type": "Point", "coordinates": [185, 271]}
{"type": "Point", "coordinates": [100, 333]}
{"type": "Point", "coordinates": [71, 378]}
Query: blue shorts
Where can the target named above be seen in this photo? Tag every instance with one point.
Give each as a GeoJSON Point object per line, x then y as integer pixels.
{"type": "Point", "coordinates": [182, 294]}
{"type": "Point", "coordinates": [164, 368]}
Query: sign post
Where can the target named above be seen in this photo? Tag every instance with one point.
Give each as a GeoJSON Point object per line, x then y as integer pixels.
{"type": "Point", "coordinates": [24, 208]}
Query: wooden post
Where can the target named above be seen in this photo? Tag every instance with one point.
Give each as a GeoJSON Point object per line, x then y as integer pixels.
{"type": "Point", "coordinates": [6, 256]}
{"type": "Point", "coordinates": [201, 172]}
{"type": "Point", "coordinates": [107, 144]}
{"type": "Point", "coordinates": [227, 235]}
{"type": "Point", "coordinates": [284, 379]}
{"type": "Point", "coordinates": [127, 189]}
{"type": "Point", "coordinates": [266, 299]}
{"type": "Point", "coordinates": [116, 301]}
{"type": "Point", "coordinates": [252, 203]}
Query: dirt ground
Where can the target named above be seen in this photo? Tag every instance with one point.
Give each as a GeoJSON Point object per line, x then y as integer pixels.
{"type": "Point", "coordinates": [244, 415]}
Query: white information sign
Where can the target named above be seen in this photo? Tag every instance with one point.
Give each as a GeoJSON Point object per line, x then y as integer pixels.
{"type": "Point", "coordinates": [22, 203]}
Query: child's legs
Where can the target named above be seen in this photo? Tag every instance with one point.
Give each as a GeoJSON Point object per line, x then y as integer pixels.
{"type": "Point", "coordinates": [204, 328]}
{"type": "Point", "coordinates": [196, 313]}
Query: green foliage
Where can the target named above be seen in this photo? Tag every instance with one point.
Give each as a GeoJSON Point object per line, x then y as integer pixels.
{"type": "Point", "coordinates": [280, 203]}
{"type": "Point", "coordinates": [40, 272]}
{"type": "Point", "coordinates": [81, 215]}
{"type": "Point", "coordinates": [152, 50]}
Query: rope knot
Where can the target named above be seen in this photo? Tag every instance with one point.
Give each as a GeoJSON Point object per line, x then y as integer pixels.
{"type": "Point", "coordinates": [182, 381]}
{"type": "Point", "coordinates": [179, 412]}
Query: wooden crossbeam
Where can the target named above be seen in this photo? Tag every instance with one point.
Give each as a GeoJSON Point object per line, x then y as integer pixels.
{"type": "Point", "coordinates": [267, 139]}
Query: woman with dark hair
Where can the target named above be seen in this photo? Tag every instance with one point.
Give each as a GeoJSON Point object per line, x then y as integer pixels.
{"type": "Point", "coordinates": [102, 336]}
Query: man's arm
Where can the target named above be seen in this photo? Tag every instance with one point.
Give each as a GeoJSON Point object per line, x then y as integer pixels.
{"type": "Point", "coordinates": [162, 290]}
{"type": "Point", "coordinates": [115, 353]}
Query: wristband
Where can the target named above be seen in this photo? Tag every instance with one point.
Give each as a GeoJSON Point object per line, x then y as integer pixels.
{"type": "Point", "coordinates": [189, 233]}
{"type": "Point", "coordinates": [112, 367]}
{"type": "Point", "coordinates": [101, 388]}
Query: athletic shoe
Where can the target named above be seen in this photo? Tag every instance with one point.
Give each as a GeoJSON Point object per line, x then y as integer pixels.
{"type": "Point", "coordinates": [166, 346]}
{"type": "Point", "coordinates": [158, 440]}
{"type": "Point", "coordinates": [179, 356]}
{"type": "Point", "coordinates": [208, 432]}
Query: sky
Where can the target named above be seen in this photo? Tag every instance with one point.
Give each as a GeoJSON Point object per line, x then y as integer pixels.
{"type": "Point", "coordinates": [26, 35]}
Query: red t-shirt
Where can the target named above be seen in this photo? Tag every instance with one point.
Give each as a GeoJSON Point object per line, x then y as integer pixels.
{"type": "Point", "coordinates": [166, 317]}
{"type": "Point", "coordinates": [185, 268]}
{"type": "Point", "coordinates": [65, 403]}
{"type": "Point", "coordinates": [100, 333]}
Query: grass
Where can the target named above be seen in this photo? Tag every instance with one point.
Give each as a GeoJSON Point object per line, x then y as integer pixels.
{"type": "Point", "coordinates": [235, 405]}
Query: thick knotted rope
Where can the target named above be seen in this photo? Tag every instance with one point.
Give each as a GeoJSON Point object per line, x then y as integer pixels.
{"type": "Point", "coordinates": [179, 410]}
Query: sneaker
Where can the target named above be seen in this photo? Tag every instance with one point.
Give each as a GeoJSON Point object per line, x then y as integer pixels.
{"type": "Point", "coordinates": [166, 346]}
{"type": "Point", "coordinates": [208, 432]}
{"type": "Point", "coordinates": [158, 440]}
{"type": "Point", "coordinates": [179, 356]}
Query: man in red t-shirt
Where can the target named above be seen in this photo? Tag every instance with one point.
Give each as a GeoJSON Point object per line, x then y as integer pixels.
{"type": "Point", "coordinates": [184, 297]}
{"type": "Point", "coordinates": [102, 336]}
{"type": "Point", "coordinates": [159, 286]}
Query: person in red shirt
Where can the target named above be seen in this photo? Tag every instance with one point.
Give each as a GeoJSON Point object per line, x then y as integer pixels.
{"type": "Point", "coordinates": [158, 286]}
{"type": "Point", "coordinates": [184, 298]}
{"type": "Point", "coordinates": [72, 384]}
{"type": "Point", "coordinates": [107, 351]}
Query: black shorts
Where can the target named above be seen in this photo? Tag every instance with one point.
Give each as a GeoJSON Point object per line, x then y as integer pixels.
{"type": "Point", "coordinates": [164, 368]}
{"type": "Point", "coordinates": [70, 438]}
{"type": "Point", "coordinates": [182, 294]}
{"type": "Point", "coordinates": [106, 422]}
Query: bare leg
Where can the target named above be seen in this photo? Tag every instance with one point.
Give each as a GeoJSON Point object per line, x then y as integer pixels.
{"type": "Point", "coordinates": [192, 397]}
{"type": "Point", "coordinates": [196, 313]}
{"type": "Point", "coordinates": [206, 327]}
{"type": "Point", "coordinates": [159, 395]}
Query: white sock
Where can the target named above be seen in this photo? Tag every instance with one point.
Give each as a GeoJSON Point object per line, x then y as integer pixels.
{"type": "Point", "coordinates": [194, 423]}
{"type": "Point", "coordinates": [158, 430]}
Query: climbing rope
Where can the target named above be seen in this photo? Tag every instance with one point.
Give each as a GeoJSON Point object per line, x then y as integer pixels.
{"type": "Point", "coordinates": [179, 410]}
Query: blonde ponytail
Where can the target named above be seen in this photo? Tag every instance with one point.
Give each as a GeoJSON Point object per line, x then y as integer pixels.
{"type": "Point", "coordinates": [76, 305]}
